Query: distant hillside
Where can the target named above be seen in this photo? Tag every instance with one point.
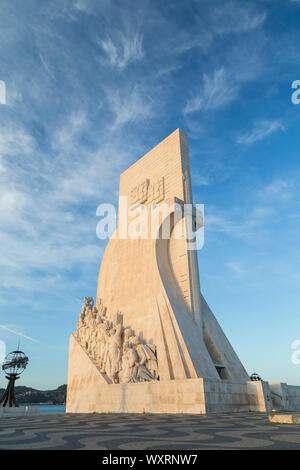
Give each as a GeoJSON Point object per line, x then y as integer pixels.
{"type": "Point", "coordinates": [31, 395]}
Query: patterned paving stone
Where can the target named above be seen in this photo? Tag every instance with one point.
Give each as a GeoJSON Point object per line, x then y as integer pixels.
{"type": "Point", "coordinates": [159, 432]}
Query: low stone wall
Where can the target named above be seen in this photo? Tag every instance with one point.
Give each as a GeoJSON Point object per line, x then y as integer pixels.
{"type": "Point", "coordinates": [259, 396]}
{"type": "Point", "coordinates": [160, 397]}
{"type": "Point", "coordinates": [294, 397]}
{"type": "Point", "coordinates": [279, 395]}
{"type": "Point", "coordinates": [284, 396]}
{"type": "Point", "coordinates": [195, 396]}
{"type": "Point", "coordinates": [225, 396]}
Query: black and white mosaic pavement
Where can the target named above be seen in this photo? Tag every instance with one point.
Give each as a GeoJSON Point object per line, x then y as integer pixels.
{"type": "Point", "coordinates": [159, 432]}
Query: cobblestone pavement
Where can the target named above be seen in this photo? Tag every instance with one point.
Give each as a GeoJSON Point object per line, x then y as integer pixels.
{"type": "Point", "coordinates": [159, 432]}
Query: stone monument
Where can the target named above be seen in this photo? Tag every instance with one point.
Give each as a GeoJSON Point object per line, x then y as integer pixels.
{"type": "Point", "coordinates": [151, 342]}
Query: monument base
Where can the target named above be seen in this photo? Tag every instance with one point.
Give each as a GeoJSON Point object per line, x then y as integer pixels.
{"type": "Point", "coordinates": [88, 392]}
{"type": "Point", "coordinates": [193, 396]}
{"type": "Point", "coordinates": [15, 412]}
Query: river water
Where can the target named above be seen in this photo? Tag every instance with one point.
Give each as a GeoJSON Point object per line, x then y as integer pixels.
{"type": "Point", "coordinates": [49, 409]}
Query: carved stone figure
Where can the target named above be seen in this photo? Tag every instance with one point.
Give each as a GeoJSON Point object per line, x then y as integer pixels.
{"type": "Point", "coordinates": [101, 309]}
{"type": "Point", "coordinates": [89, 301]}
{"type": "Point", "coordinates": [101, 345]}
{"type": "Point", "coordinates": [145, 354]}
{"type": "Point", "coordinates": [82, 313]}
{"type": "Point", "coordinates": [129, 364]}
{"type": "Point", "coordinates": [104, 355]}
{"type": "Point", "coordinates": [119, 354]}
{"type": "Point", "coordinates": [113, 363]}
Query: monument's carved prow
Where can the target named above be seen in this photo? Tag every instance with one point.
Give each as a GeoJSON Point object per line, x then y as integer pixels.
{"type": "Point", "coordinates": [121, 356]}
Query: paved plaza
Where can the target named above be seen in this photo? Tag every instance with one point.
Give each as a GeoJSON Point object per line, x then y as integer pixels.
{"type": "Point", "coordinates": [145, 431]}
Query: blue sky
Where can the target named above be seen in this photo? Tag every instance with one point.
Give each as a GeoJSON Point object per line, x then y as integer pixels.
{"type": "Point", "coordinates": [91, 86]}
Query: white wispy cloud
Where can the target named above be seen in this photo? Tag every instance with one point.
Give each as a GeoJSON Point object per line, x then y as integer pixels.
{"type": "Point", "coordinates": [279, 189]}
{"type": "Point", "coordinates": [260, 131]}
{"type": "Point", "coordinates": [14, 140]}
{"type": "Point", "coordinates": [236, 267]}
{"type": "Point", "coordinates": [185, 41]}
{"type": "Point", "coordinates": [240, 63]}
{"type": "Point", "coordinates": [225, 83]}
{"type": "Point", "coordinates": [46, 66]}
{"type": "Point", "coordinates": [130, 106]}
{"type": "Point", "coordinates": [82, 6]}
{"type": "Point", "coordinates": [235, 17]}
{"type": "Point", "coordinates": [65, 136]}
{"type": "Point", "coordinates": [254, 222]}
{"type": "Point", "coordinates": [123, 49]}
{"type": "Point", "coordinates": [248, 225]}
{"type": "Point", "coordinates": [217, 91]}
{"type": "Point", "coordinates": [219, 20]}
{"type": "Point", "coordinates": [17, 333]}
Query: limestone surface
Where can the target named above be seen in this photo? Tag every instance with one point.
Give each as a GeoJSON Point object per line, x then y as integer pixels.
{"type": "Point", "coordinates": [150, 343]}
